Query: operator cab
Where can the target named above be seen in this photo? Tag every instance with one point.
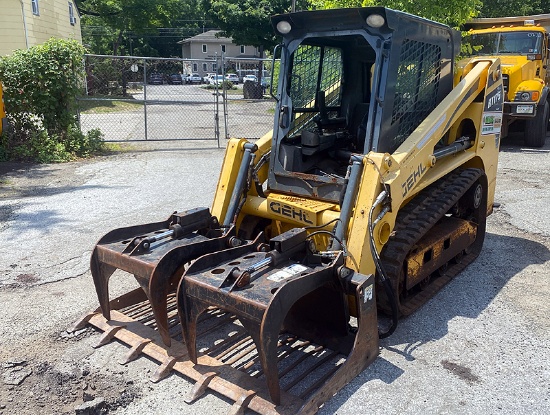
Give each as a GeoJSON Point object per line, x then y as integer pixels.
{"type": "Point", "coordinates": [352, 88]}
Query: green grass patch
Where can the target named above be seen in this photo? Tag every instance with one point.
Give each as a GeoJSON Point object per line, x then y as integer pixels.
{"type": "Point", "coordinates": [234, 91]}
{"type": "Point", "coordinates": [107, 106]}
{"type": "Point", "coordinates": [119, 147]}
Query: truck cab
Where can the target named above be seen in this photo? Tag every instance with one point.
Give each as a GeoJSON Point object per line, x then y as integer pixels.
{"type": "Point", "coordinates": [523, 49]}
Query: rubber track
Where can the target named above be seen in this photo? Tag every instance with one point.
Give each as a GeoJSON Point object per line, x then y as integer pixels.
{"type": "Point", "coordinates": [413, 221]}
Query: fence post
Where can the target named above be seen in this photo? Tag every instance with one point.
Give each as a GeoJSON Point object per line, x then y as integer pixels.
{"type": "Point", "coordinates": [216, 106]}
{"type": "Point", "coordinates": [145, 95]}
{"type": "Point", "coordinates": [224, 99]}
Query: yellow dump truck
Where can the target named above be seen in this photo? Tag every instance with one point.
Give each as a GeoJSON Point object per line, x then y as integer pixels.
{"type": "Point", "coordinates": [522, 45]}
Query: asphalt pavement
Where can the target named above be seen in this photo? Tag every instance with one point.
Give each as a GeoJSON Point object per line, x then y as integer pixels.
{"type": "Point", "coordinates": [480, 346]}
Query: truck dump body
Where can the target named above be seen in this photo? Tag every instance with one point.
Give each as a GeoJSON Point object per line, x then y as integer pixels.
{"type": "Point", "coordinates": [370, 193]}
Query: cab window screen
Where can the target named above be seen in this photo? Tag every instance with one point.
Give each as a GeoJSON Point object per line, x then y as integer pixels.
{"type": "Point", "coordinates": [416, 87]}
{"type": "Point", "coordinates": [314, 68]}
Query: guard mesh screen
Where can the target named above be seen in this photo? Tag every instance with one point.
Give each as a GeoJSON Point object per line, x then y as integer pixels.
{"type": "Point", "coordinates": [416, 87]}
{"type": "Point", "coordinates": [314, 68]}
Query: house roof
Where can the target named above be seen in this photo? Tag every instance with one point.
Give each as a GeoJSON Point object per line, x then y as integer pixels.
{"type": "Point", "coordinates": [207, 37]}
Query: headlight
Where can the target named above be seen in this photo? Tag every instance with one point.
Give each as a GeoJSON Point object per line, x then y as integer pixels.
{"type": "Point", "coordinates": [284, 27]}
{"type": "Point", "coordinates": [376, 20]}
{"type": "Point", "coordinates": [527, 96]}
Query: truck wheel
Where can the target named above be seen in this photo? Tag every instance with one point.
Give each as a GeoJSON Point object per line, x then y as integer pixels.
{"type": "Point", "coordinates": [535, 129]}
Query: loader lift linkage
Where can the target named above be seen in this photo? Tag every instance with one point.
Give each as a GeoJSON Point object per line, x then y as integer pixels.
{"type": "Point", "coordinates": [370, 194]}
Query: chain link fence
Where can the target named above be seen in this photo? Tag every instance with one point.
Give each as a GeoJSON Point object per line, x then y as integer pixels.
{"type": "Point", "coordinates": [250, 106]}
{"type": "Point", "coordinates": [133, 98]}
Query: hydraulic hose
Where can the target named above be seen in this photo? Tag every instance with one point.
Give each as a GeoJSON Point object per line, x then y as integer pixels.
{"type": "Point", "coordinates": [381, 273]}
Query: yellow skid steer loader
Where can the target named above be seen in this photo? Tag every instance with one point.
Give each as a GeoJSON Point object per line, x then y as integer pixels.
{"type": "Point", "coordinates": [370, 193]}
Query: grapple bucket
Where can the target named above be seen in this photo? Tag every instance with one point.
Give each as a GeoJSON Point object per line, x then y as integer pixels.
{"type": "Point", "coordinates": [264, 324]}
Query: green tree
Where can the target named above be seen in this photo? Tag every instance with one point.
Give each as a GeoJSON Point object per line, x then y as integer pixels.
{"type": "Point", "coordinates": [137, 24]}
{"type": "Point", "coordinates": [451, 12]}
{"type": "Point", "coordinates": [247, 22]}
{"type": "Point", "coordinates": [502, 8]}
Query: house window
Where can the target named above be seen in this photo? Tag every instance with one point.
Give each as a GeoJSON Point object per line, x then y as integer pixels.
{"type": "Point", "coordinates": [195, 67]}
{"type": "Point", "coordinates": [203, 48]}
{"type": "Point", "coordinates": [35, 10]}
{"type": "Point", "coordinates": [223, 48]}
{"type": "Point", "coordinates": [242, 50]}
{"type": "Point", "coordinates": [205, 67]}
{"type": "Point", "coordinates": [214, 67]}
{"type": "Point", "coordinates": [72, 19]}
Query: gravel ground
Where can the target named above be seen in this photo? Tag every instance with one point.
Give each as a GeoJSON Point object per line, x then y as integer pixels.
{"type": "Point", "coordinates": [480, 346]}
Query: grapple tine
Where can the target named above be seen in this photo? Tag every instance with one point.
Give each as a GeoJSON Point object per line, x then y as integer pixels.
{"type": "Point", "coordinates": [266, 344]}
{"type": "Point", "coordinates": [189, 313]}
{"type": "Point", "coordinates": [101, 273]}
{"type": "Point", "coordinates": [365, 343]}
{"type": "Point", "coordinates": [158, 294]}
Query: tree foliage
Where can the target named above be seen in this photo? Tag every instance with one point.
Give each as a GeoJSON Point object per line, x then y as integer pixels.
{"type": "Point", "coordinates": [40, 87]}
{"type": "Point", "coordinates": [451, 12]}
{"type": "Point", "coordinates": [152, 28]}
{"type": "Point", "coordinates": [247, 22]}
{"type": "Point", "coordinates": [502, 8]}
{"type": "Point", "coordinates": [140, 22]}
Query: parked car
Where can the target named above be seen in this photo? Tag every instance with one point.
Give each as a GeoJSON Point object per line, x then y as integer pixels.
{"type": "Point", "coordinates": [233, 77]}
{"type": "Point", "coordinates": [175, 79]}
{"type": "Point", "coordinates": [217, 80]}
{"type": "Point", "coordinates": [194, 78]}
{"type": "Point", "coordinates": [251, 78]}
{"type": "Point", "coordinates": [155, 79]}
{"type": "Point", "coordinates": [207, 77]}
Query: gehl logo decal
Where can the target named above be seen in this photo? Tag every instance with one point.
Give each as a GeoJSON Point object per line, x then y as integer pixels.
{"type": "Point", "coordinates": [412, 179]}
{"type": "Point", "coordinates": [289, 212]}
